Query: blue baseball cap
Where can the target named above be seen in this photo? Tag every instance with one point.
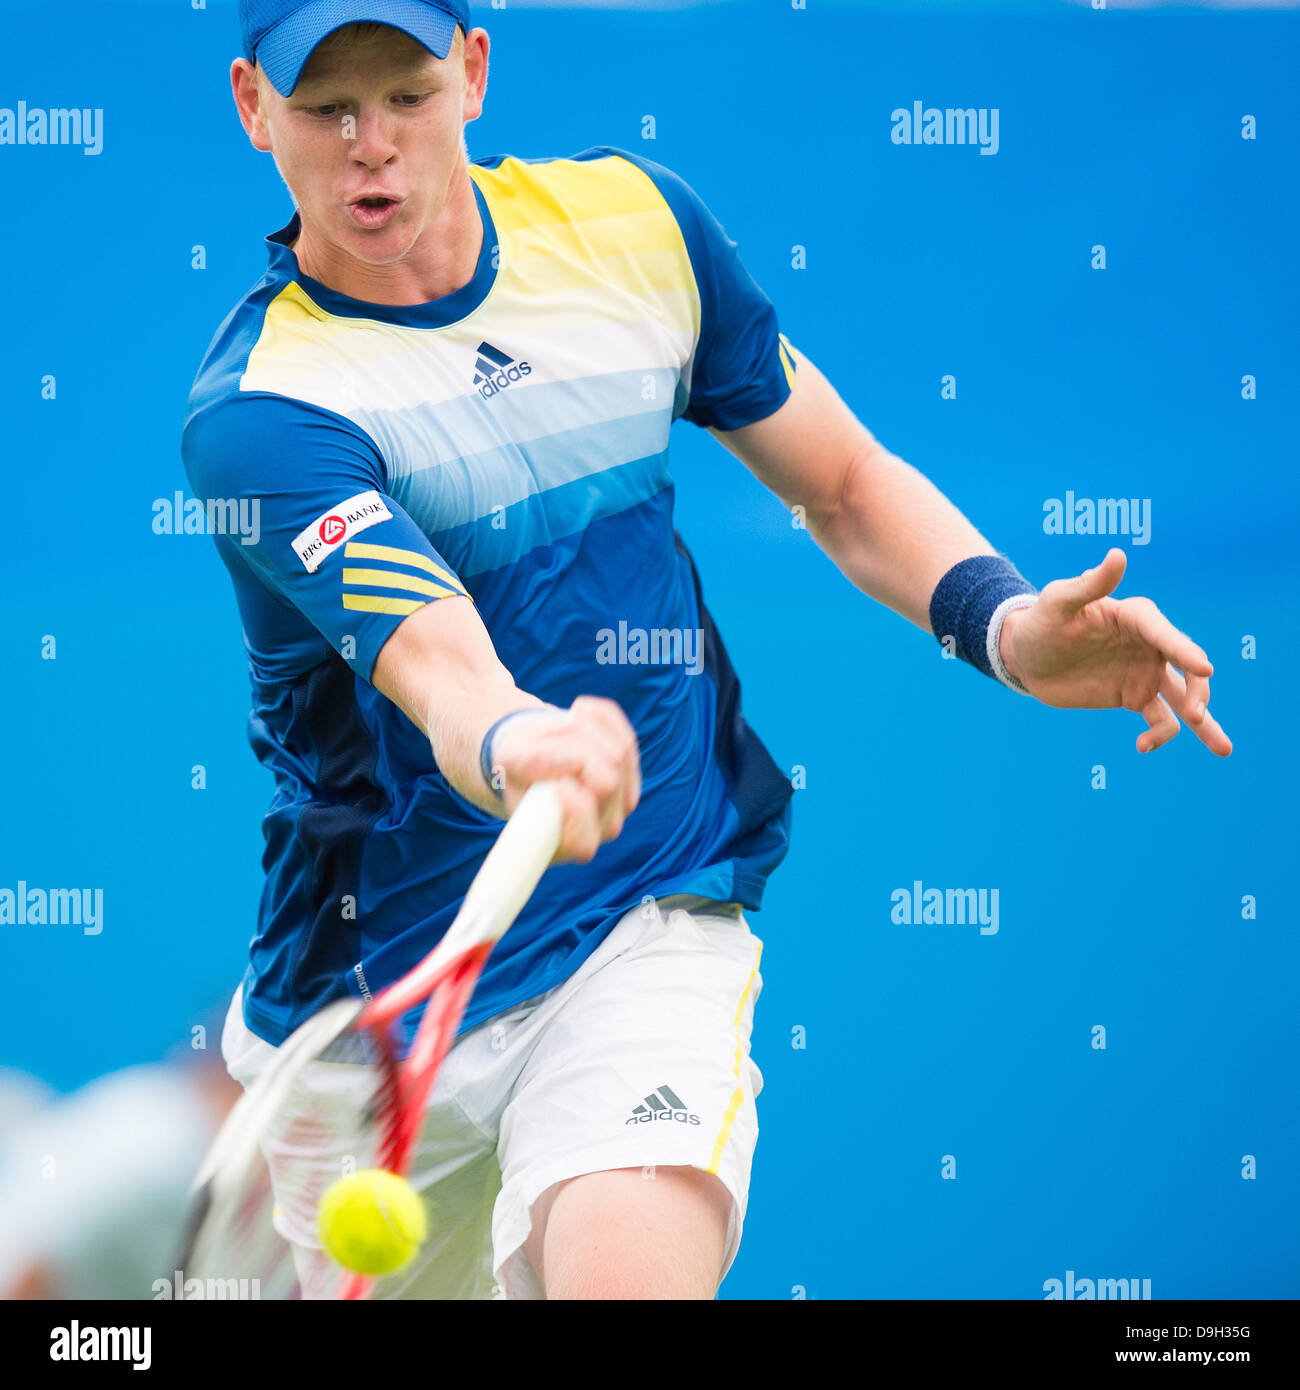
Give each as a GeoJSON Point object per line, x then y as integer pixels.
{"type": "Point", "coordinates": [281, 34]}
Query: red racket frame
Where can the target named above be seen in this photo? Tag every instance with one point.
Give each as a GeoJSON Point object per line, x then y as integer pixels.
{"type": "Point", "coordinates": [406, 1085]}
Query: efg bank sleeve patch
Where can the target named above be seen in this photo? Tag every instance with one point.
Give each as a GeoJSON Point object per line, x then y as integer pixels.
{"type": "Point", "coordinates": [329, 531]}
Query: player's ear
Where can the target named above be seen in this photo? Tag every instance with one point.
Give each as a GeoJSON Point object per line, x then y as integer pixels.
{"type": "Point", "coordinates": [247, 85]}
{"type": "Point", "coordinates": [475, 45]}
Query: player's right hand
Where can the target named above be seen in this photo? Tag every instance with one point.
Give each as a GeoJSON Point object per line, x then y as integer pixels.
{"type": "Point", "coordinates": [590, 752]}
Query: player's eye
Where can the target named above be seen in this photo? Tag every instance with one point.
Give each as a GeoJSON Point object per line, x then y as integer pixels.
{"type": "Point", "coordinates": [410, 98]}
{"type": "Point", "coordinates": [324, 112]}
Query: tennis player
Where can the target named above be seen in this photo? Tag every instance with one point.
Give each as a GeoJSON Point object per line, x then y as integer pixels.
{"type": "Point", "coordinates": [451, 395]}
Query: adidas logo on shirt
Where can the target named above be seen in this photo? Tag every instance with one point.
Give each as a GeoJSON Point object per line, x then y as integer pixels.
{"type": "Point", "coordinates": [663, 1104]}
{"type": "Point", "coordinates": [495, 370]}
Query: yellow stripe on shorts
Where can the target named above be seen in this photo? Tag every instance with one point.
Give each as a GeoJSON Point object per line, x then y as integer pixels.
{"type": "Point", "coordinates": [738, 1095]}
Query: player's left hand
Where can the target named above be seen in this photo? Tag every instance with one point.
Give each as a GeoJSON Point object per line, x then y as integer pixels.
{"type": "Point", "coordinates": [1078, 648]}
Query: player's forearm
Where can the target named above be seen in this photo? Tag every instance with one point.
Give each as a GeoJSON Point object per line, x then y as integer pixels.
{"type": "Point", "coordinates": [893, 534]}
{"type": "Point", "coordinates": [461, 713]}
{"type": "Point", "coordinates": [440, 668]}
{"type": "Point", "coordinates": [886, 526]}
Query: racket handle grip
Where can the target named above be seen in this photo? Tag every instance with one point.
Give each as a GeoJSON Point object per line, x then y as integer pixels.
{"type": "Point", "coordinates": [514, 865]}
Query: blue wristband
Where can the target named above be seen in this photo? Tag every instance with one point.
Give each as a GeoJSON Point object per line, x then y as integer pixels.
{"type": "Point", "coordinates": [968, 606]}
{"type": "Point", "coordinates": [485, 748]}
{"type": "Point", "coordinates": [485, 756]}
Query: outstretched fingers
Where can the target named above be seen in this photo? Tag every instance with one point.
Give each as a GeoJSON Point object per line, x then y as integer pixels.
{"type": "Point", "coordinates": [1163, 724]}
{"type": "Point", "coordinates": [1158, 633]}
{"type": "Point", "coordinates": [1178, 694]}
{"type": "Point", "coordinates": [1192, 696]}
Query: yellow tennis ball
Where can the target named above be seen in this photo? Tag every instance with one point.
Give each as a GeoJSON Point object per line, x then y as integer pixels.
{"type": "Point", "coordinates": [372, 1222]}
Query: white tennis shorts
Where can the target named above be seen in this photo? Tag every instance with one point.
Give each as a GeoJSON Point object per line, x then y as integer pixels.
{"type": "Point", "coordinates": [639, 1059]}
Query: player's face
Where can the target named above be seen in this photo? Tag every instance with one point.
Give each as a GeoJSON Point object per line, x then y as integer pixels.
{"type": "Point", "coordinates": [370, 139]}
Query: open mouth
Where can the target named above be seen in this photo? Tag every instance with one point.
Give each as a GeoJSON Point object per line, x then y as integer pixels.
{"type": "Point", "coordinates": [371, 213]}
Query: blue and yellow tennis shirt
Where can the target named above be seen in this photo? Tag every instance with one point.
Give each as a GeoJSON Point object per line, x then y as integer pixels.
{"type": "Point", "coordinates": [510, 442]}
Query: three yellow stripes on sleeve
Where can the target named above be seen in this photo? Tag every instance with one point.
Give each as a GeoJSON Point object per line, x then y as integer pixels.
{"type": "Point", "coordinates": [442, 585]}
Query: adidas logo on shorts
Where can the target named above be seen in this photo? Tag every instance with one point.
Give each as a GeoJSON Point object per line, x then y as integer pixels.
{"type": "Point", "coordinates": [663, 1104]}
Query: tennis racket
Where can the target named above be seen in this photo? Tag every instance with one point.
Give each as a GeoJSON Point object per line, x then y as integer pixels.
{"type": "Point", "coordinates": [339, 1096]}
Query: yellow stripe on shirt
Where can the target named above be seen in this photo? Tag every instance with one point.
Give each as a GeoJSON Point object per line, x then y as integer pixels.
{"type": "Point", "coordinates": [390, 579]}
{"type": "Point", "coordinates": [785, 349]}
{"type": "Point", "coordinates": [371, 603]}
{"type": "Point", "coordinates": [362, 550]}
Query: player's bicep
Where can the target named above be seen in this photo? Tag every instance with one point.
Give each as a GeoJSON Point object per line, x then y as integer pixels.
{"type": "Point", "coordinates": [439, 658]}
{"type": "Point", "coordinates": [805, 450]}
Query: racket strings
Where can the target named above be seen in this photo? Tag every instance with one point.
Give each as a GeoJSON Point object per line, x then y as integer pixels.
{"type": "Point", "coordinates": [261, 1217]}
{"type": "Point", "coordinates": [338, 1098]}
{"type": "Point", "coordinates": [358, 1101]}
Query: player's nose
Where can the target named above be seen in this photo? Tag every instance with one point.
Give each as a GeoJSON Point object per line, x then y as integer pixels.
{"type": "Point", "coordinates": [372, 141]}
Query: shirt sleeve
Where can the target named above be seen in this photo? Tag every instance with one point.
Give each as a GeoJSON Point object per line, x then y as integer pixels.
{"type": "Point", "coordinates": [295, 494]}
{"type": "Point", "coordinates": [743, 368]}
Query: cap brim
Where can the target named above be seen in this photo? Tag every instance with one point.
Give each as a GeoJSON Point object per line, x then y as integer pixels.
{"type": "Point", "coordinates": [282, 52]}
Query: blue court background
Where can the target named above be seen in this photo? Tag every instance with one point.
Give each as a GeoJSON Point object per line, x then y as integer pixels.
{"type": "Point", "coordinates": [1120, 907]}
